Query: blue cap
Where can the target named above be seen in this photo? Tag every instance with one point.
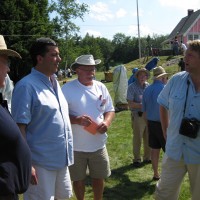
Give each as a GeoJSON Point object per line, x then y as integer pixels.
{"type": "Point", "coordinates": [134, 70]}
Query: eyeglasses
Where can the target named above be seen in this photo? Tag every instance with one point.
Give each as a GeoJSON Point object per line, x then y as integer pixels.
{"type": "Point", "coordinates": [88, 70]}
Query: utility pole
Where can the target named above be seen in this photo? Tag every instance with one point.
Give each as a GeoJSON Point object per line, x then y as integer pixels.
{"type": "Point", "coordinates": [139, 43]}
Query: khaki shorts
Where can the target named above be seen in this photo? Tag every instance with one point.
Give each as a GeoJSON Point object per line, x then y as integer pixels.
{"type": "Point", "coordinates": [97, 163]}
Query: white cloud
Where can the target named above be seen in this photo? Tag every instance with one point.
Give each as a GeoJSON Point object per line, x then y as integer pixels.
{"type": "Point", "coordinates": [132, 30]}
{"type": "Point", "coordinates": [144, 31]}
{"type": "Point", "coordinates": [100, 12]}
{"type": "Point", "coordinates": [113, 1]}
{"type": "Point", "coordinates": [93, 33]}
{"type": "Point", "coordinates": [121, 13]}
{"type": "Point", "coordinates": [99, 7]}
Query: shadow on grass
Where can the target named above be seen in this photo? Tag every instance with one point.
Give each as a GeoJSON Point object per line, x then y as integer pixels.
{"type": "Point", "coordinates": [127, 189]}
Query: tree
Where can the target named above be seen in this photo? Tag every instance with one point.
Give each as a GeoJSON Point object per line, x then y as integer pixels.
{"type": "Point", "coordinates": [106, 50]}
{"type": "Point", "coordinates": [26, 21]}
{"type": "Point", "coordinates": [29, 19]}
{"type": "Point", "coordinates": [124, 48]}
{"type": "Point", "coordinates": [64, 11]}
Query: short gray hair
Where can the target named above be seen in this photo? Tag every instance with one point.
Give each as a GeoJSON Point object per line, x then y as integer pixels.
{"type": "Point", "coordinates": [194, 46]}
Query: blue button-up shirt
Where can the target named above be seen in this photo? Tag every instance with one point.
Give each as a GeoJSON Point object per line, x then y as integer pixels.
{"type": "Point", "coordinates": [173, 98]}
{"type": "Point", "coordinates": [149, 100]}
{"type": "Point", "coordinates": [39, 103]}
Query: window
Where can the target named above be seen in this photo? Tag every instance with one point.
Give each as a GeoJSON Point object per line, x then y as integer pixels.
{"type": "Point", "coordinates": [190, 37]}
{"type": "Point", "coordinates": [193, 37]}
{"type": "Point", "coordinates": [196, 37]}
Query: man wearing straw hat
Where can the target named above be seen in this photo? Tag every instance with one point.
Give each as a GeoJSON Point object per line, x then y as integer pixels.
{"type": "Point", "coordinates": [15, 156]}
{"type": "Point", "coordinates": [91, 113]}
{"type": "Point", "coordinates": [150, 108]}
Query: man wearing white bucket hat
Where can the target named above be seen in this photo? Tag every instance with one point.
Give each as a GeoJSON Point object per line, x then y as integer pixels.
{"type": "Point", "coordinates": [15, 156]}
{"type": "Point", "coordinates": [91, 113]}
{"type": "Point", "coordinates": [150, 108]}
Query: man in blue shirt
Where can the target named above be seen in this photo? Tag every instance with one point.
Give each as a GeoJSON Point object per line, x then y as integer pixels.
{"type": "Point", "coordinates": [180, 99]}
{"type": "Point", "coordinates": [150, 108]}
{"type": "Point", "coordinates": [41, 112]}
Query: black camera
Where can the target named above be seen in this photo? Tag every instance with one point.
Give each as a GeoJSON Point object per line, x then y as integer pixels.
{"type": "Point", "coordinates": [189, 127]}
{"type": "Point", "coordinates": [140, 113]}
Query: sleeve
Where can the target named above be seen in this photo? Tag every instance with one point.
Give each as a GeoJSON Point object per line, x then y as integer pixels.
{"type": "Point", "coordinates": [130, 93]}
{"type": "Point", "coordinates": [163, 97]}
{"type": "Point", "coordinates": [109, 107]}
{"type": "Point", "coordinates": [15, 160]}
{"type": "Point", "coordinates": [22, 104]}
{"type": "Point", "coordinates": [144, 102]}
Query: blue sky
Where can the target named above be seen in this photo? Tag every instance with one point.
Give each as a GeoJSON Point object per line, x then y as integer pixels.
{"type": "Point", "coordinates": [108, 17]}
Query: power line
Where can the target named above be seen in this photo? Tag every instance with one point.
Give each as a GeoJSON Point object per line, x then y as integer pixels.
{"type": "Point", "coordinates": [18, 21]}
{"type": "Point", "coordinates": [108, 25]}
{"type": "Point", "coordinates": [103, 25]}
{"type": "Point", "coordinates": [20, 35]}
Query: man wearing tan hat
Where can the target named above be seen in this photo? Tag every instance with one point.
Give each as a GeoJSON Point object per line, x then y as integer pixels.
{"type": "Point", "coordinates": [15, 156]}
{"type": "Point", "coordinates": [150, 107]}
{"type": "Point", "coordinates": [134, 98]}
{"type": "Point", "coordinates": [91, 113]}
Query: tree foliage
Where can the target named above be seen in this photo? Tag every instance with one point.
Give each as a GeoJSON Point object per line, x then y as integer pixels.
{"type": "Point", "coordinates": [30, 19]}
{"type": "Point", "coordinates": [26, 21]}
{"type": "Point", "coordinates": [64, 11]}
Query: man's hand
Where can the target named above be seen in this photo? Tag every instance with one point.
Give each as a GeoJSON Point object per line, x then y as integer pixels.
{"type": "Point", "coordinates": [34, 180]}
{"type": "Point", "coordinates": [102, 127]}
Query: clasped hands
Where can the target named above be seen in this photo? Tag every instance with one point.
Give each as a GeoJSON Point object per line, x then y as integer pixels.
{"type": "Point", "coordinates": [86, 120]}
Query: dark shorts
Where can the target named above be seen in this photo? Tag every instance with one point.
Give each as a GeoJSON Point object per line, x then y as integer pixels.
{"type": "Point", "coordinates": [156, 138]}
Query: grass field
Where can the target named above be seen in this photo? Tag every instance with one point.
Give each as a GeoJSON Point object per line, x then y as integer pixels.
{"type": "Point", "coordinates": [126, 182]}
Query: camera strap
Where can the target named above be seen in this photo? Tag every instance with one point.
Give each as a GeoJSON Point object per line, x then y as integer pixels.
{"type": "Point", "coordinates": [188, 84]}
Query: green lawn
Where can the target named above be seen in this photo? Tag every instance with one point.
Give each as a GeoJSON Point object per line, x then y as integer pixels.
{"type": "Point", "coordinates": [126, 182]}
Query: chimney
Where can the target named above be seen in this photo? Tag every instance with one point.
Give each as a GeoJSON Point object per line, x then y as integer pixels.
{"type": "Point", "coordinates": [190, 11]}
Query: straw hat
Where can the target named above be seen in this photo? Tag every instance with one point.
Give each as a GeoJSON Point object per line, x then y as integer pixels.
{"type": "Point", "coordinates": [142, 70]}
{"type": "Point", "coordinates": [5, 51]}
{"type": "Point", "coordinates": [158, 72]}
{"type": "Point", "coordinates": [85, 60]}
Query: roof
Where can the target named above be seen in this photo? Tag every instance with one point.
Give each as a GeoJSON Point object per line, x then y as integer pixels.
{"type": "Point", "coordinates": [184, 24]}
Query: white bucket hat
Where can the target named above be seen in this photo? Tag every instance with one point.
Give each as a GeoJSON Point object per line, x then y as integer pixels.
{"type": "Point", "coordinates": [5, 51]}
{"type": "Point", "coordinates": [85, 60]}
{"type": "Point", "coordinates": [158, 72]}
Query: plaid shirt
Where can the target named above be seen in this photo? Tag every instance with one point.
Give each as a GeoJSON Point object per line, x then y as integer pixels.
{"type": "Point", "coordinates": [135, 93]}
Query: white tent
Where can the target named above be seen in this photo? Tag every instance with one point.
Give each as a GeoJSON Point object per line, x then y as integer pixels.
{"type": "Point", "coordinates": [120, 85]}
